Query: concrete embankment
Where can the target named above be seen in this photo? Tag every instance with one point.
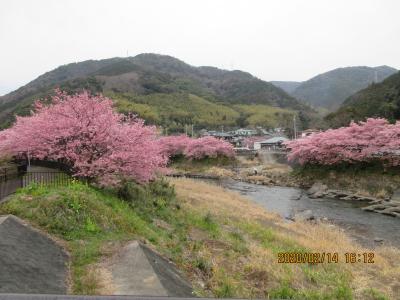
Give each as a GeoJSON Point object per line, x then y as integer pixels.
{"type": "Point", "coordinates": [30, 262]}
{"type": "Point", "coordinates": [137, 270]}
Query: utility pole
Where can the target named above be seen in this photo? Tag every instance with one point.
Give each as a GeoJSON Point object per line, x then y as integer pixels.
{"type": "Point", "coordinates": [294, 127]}
{"type": "Point", "coordinates": [192, 130]}
{"type": "Point", "coordinates": [186, 129]}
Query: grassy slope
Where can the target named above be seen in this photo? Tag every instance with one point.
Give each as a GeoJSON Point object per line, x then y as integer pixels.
{"type": "Point", "coordinates": [226, 245]}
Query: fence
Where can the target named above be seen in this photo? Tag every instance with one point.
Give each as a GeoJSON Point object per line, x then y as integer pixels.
{"type": "Point", "coordinates": [13, 178]}
{"type": "Point", "coordinates": [53, 179]}
{"type": "Point", "coordinates": [10, 181]}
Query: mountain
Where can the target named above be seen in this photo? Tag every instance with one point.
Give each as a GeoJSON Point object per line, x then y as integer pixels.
{"type": "Point", "coordinates": [377, 100]}
{"type": "Point", "coordinates": [163, 90]}
{"type": "Point", "coordinates": [287, 86]}
{"type": "Point", "coordinates": [330, 89]}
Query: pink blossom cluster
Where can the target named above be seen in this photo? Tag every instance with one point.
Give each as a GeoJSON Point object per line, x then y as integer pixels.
{"type": "Point", "coordinates": [84, 132]}
{"type": "Point", "coordinates": [174, 145]}
{"type": "Point", "coordinates": [195, 148]}
{"type": "Point", "coordinates": [374, 139]}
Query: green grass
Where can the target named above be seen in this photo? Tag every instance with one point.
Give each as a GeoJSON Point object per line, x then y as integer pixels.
{"type": "Point", "coordinates": [90, 219]}
{"type": "Point", "coordinates": [84, 217]}
{"type": "Point", "coordinates": [374, 294]}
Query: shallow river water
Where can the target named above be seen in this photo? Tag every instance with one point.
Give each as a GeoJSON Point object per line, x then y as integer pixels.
{"type": "Point", "coordinates": [363, 226]}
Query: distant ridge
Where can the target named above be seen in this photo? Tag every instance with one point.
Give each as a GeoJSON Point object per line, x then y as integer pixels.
{"type": "Point", "coordinates": [330, 89]}
{"type": "Point", "coordinates": [377, 100]}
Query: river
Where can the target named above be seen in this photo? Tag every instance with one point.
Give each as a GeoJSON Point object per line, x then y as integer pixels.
{"type": "Point", "coordinates": [364, 227]}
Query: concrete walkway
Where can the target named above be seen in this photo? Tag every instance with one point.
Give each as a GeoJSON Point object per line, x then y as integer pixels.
{"type": "Point", "coordinates": [30, 262]}
{"type": "Point", "coordinates": [137, 270]}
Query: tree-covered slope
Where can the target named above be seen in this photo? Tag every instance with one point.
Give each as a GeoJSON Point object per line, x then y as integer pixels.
{"type": "Point", "coordinates": [377, 100]}
{"type": "Point", "coordinates": [159, 88]}
{"type": "Point", "coordinates": [330, 89]}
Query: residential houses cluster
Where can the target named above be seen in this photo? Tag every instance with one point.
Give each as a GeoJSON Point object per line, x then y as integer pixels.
{"type": "Point", "coordinates": [248, 139]}
{"type": "Point", "coordinates": [251, 139]}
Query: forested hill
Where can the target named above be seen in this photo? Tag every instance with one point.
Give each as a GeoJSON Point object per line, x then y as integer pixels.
{"type": "Point", "coordinates": [288, 86]}
{"type": "Point", "coordinates": [330, 89]}
{"type": "Point", "coordinates": [166, 91]}
{"type": "Point", "coordinates": [377, 100]}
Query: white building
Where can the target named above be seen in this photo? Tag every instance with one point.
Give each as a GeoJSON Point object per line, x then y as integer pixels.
{"type": "Point", "coordinates": [274, 143]}
{"type": "Point", "coordinates": [245, 132]}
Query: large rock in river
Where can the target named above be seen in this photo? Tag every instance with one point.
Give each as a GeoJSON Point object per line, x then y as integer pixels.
{"type": "Point", "coordinates": [317, 190]}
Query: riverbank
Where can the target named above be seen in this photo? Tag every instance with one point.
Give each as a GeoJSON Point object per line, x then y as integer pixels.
{"type": "Point", "coordinates": [251, 170]}
{"type": "Point", "coordinates": [368, 181]}
{"type": "Point", "coordinates": [225, 244]}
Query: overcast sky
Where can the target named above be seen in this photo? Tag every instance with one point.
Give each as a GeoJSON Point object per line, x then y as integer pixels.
{"type": "Point", "coordinates": [273, 40]}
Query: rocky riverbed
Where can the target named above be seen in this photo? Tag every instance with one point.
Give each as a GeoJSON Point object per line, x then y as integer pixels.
{"type": "Point", "coordinates": [387, 206]}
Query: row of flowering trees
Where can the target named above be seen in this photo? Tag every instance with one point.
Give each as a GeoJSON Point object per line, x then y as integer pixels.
{"type": "Point", "coordinates": [374, 139]}
{"type": "Point", "coordinates": [84, 132]}
{"type": "Point", "coordinates": [190, 148]}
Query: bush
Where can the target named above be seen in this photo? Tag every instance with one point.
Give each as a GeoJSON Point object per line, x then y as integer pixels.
{"type": "Point", "coordinates": [154, 199]}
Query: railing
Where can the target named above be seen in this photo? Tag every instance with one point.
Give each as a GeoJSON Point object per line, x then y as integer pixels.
{"type": "Point", "coordinates": [10, 180]}
{"type": "Point", "coordinates": [13, 178]}
{"type": "Point", "coordinates": [52, 179]}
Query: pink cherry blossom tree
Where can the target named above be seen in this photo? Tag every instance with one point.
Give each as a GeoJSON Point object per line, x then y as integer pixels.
{"type": "Point", "coordinates": [208, 146]}
{"type": "Point", "coordinates": [174, 145]}
{"type": "Point", "coordinates": [84, 132]}
{"type": "Point", "coordinates": [195, 148]}
{"type": "Point", "coordinates": [374, 139]}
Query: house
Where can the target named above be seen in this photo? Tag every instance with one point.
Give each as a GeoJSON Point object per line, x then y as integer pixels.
{"type": "Point", "coordinates": [219, 135]}
{"type": "Point", "coordinates": [274, 143]}
{"type": "Point", "coordinates": [248, 142]}
{"type": "Point", "coordinates": [245, 132]}
{"type": "Point", "coordinates": [222, 135]}
{"type": "Point", "coordinates": [309, 132]}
